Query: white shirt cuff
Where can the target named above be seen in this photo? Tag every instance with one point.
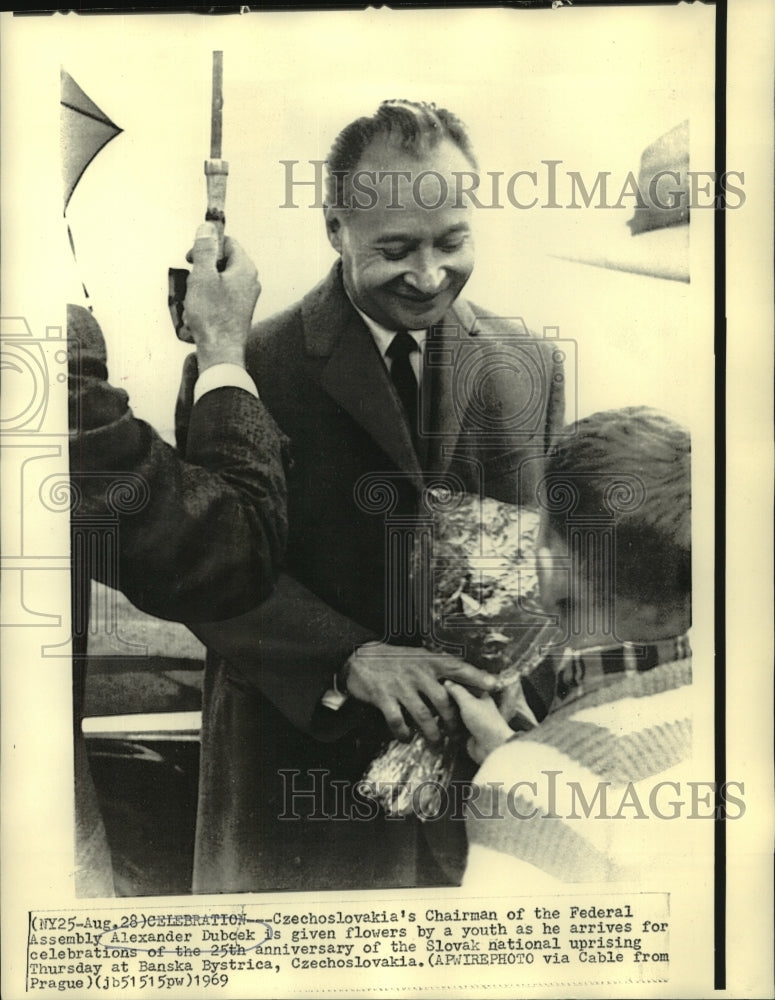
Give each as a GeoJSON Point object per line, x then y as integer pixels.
{"type": "Point", "coordinates": [333, 698]}
{"type": "Point", "coordinates": [219, 376]}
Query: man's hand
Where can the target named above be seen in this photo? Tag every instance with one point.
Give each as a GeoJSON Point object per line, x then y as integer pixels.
{"type": "Point", "coordinates": [482, 719]}
{"type": "Point", "coordinates": [398, 679]}
{"type": "Point", "coordinates": [219, 305]}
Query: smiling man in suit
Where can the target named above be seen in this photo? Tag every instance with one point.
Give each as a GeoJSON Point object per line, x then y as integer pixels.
{"type": "Point", "coordinates": [392, 390]}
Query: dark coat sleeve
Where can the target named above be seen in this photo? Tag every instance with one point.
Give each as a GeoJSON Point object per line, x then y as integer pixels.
{"type": "Point", "coordinates": [201, 535]}
{"type": "Point", "coordinates": [289, 648]}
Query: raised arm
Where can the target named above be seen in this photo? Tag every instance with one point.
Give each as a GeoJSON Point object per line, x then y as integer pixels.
{"type": "Point", "coordinates": [204, 537]}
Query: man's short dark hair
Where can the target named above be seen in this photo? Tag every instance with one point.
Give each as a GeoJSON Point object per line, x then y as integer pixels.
{"type": "Point", "coordinates": [414, 126]}
{"type": "Point", "coordinates": [644, 449]}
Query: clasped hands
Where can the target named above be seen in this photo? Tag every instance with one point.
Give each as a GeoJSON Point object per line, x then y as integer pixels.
{"type": "Point", "coordinates": [428, 687]}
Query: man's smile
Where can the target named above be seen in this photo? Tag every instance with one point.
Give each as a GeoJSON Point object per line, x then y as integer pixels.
{"type": "Point", "coordinates": [413, 295]}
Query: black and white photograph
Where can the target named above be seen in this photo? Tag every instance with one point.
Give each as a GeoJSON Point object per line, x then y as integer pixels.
{"type": "Point", "coordinates": [376, 383]}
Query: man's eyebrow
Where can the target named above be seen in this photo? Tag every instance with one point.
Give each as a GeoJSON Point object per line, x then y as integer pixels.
{"type": "Point", "coordinates": [460, 227]}
{"type": "Point", "coordinates": [395, 238]}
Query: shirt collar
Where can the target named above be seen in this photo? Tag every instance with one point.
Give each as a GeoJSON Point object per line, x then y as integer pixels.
{"type": "Point", "coordinates": [581, 671]}
{"type": "Point", "coordinates": [384, 337]}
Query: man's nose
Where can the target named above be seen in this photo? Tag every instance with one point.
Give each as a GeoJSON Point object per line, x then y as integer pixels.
{"type": "Point", "coordinates": [427, 274]}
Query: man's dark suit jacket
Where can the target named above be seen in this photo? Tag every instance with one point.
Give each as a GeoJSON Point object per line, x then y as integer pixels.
{"type": "Point", "coordinates": [492, 400]}
{"type": "Point", "coordinates": [184, 540]}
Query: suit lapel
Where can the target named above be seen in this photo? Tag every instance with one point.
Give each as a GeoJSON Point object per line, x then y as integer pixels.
{"type": "Point", "coordinates": [353, 373]}
{"type": "Point", "coordinates": [448, 383]}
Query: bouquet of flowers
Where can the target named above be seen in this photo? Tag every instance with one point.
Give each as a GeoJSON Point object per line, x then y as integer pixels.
{"type": "Point", "coordinates": [479, 578]}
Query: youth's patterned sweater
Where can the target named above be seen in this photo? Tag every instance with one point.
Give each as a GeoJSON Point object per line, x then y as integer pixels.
{"type": "Point", "coordinates": [594, 792]}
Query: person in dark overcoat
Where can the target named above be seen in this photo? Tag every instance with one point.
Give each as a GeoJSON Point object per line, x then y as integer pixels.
{"type": "Point", "coordinates": [302, 690]}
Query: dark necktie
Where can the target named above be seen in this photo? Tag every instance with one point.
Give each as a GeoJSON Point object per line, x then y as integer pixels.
{"type": "Point", "coordinates": [402, 374]}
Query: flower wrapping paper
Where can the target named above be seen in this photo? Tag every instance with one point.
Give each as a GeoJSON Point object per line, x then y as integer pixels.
{"type": "Point", "coordinates": [475, 583]}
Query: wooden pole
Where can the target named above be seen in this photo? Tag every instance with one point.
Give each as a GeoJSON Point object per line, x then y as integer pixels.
{"type": "Point", "coordinates": [216, 172]}
{"type": "Point", "coordinates": [216, 169]}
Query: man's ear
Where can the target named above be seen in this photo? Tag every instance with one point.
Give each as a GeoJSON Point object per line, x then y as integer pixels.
{"type": "Point", "coordinates": [553, 578]}
{"type": "Point", "coordinates": [333, 227]}
{"type": "Point", "coordinates": [545, 575]}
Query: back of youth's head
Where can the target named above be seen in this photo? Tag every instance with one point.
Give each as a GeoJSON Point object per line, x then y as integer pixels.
{"type": "Point", "coordinates": [631, 468]}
